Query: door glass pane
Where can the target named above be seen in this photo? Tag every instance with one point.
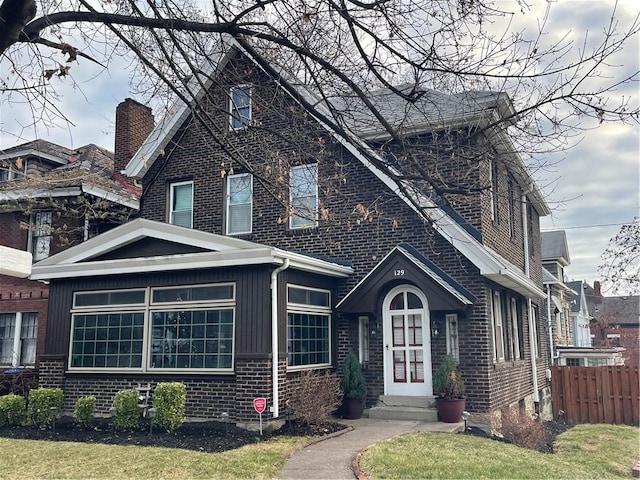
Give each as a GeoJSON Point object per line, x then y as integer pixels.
{"type": "Point", "coordinates": [399, 366]}
{"type": "Point", "coordinates": [416, 366]}
{"type": "Point", "coordinates": [413, 301]}
{"type": "Point", "coordinates": [398, 330]}
{"type": "Point", "coordinates": [397, 303]}
{"type": "Point", "coordinates": [415, 330]}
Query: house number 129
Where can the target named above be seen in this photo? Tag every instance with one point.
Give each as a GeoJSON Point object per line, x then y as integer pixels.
{"type": "Point", "coordinates": [398, 273]}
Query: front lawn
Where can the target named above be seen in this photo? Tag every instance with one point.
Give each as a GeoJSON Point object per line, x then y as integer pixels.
{"type": "Point", "coordinates": [583, 452]}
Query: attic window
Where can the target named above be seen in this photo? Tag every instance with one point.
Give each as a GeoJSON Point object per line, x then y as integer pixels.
{"type": "Point", "coordinates": [240, 107]}
{"type": "Point", "coordinates": [12, 169]}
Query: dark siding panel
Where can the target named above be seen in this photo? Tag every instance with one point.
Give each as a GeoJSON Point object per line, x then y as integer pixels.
{"type": "Point", "coordinates": [149, 247]}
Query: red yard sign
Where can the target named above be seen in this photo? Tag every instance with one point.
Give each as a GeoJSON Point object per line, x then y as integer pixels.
{"type": "Point", "coordinates": [260, 404]}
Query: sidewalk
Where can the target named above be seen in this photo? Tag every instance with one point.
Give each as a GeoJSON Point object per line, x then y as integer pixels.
{"type": "Point", "coordinates": [332, 458]}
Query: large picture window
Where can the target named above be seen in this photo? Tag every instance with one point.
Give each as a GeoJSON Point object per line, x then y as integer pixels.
{"type": "Point", "coordinates": [304, 196]}
{"type": "Point", "coordinates": [239, 203]}
{"type": "Point", "coordinates": [156, 329]}
{"type": "Point", "coordinates": [308, 327]}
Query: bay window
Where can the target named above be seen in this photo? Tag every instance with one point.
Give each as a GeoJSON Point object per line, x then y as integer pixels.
{"type": "Point", "coordinates": [308, 327]}
{"type": "Point", "coordinates": [155, 329]}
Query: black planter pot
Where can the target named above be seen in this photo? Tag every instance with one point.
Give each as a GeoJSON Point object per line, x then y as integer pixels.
{"type": "Point", "coordinates": [450, 411]}
{"type": "Point", "coordinates": [352, 408]}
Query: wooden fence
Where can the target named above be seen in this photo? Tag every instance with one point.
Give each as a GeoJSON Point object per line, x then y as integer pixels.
{"type": "Point", "coordinates": [596, 394]}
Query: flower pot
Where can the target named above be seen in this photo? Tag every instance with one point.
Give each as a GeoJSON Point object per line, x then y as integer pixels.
{"type": "Point", "coordinates": [352, 408]}
{"type": "Point", "coordinates": [450, 411]}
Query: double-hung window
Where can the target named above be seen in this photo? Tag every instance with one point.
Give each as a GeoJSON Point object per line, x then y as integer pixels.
{"type": "Point", "coordinates": [154, 329]}
{"type": "Point", "coordinates": [240, 107]}
{"type": "Point", "coordinates": [304, 196]}
{"type": "Point", "coordinates": [515, 329]}
{"type": "Point", "coordinates": [181, 201]}
{"type": "Point", "coordinates": [239, 203]}
{"type": "Point", "coordinates": [40, 238]}
{"type": "Point", "coordinates": [498, 326]}
{"type": "Point", "coordinates": [18, 334]}
{"type": "Point", "coordinates": [493, 179]}
{"type": "Point", "coordinates": [308, 327]}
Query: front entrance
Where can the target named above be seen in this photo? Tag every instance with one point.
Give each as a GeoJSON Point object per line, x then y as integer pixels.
{"type": "Point", "coordinates": [407, 342]}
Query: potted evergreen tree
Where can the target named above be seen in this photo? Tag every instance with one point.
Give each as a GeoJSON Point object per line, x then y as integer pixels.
{"type": "Point", "coordinates": [354, 387]}
{"type": "Point", "coordinates": [449, 389]}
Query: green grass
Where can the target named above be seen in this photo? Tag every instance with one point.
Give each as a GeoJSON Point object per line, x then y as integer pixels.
{"type": "Point", "coordinates": [584, 452]}
{"type": "Point", "coordinates": [42, 459]}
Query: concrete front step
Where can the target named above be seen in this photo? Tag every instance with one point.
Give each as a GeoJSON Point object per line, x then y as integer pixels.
{"type": "Point", "coordinates": [403, 413]}
{"type": "Point", "coordinates": [397, 407]}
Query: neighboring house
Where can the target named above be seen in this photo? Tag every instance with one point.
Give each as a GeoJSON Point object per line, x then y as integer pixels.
{"type": "Point", "coordinates": [616, 323]}
{"type": "Point", "coordinates": [568, 314]}
{"type": "Point", "coordinates": [242, 272]}
{"type": "Point", "coordinates": [52, 198]}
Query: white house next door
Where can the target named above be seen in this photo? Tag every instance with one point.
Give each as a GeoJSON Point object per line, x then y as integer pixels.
{"type": "Point", "coordinates": [407, 342]}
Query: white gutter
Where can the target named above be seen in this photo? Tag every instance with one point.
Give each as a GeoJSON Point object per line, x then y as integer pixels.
{"type": "Point", "coordinates": [527, 269]}
{"type": "Point", "coordinates": [275, 409]}
{"type": "Point", "coordinates": [549, 322]}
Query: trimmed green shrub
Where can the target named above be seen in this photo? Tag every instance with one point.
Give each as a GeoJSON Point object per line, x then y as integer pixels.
{"type": "Point", "coordinates": [352, 381]}
{"type": "Point", "coordinates": [169, 400]}
{"type": "Point", "coordinates": [84, 410]}
{"type": "Point", "coordinates": [12, 410]}
{"type": "Point", "coordinates": [127, 412]}
{"type": "Point", "coordinates": [45, 405]}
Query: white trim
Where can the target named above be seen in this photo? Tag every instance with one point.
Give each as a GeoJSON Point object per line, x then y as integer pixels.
{"type": "Point", "coordinates": [170, 211]}
{"type": "Point", "coordinates": [247, 88]}
{"type": "Point", "coordinates": [228, 203]}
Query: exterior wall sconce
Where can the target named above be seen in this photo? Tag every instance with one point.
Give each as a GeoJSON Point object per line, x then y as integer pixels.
{"type": "Point", "coordinates": [435, 328]}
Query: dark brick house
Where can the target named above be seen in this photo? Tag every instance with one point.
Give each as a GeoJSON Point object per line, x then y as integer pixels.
{"type": "Point", "coordinates": [52, 198]}
{"type": "Point", "coordinates": [278, 232]}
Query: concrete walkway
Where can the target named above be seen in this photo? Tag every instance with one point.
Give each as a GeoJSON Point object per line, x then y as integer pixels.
{"type": "Point", "coordinates": [332, 458]}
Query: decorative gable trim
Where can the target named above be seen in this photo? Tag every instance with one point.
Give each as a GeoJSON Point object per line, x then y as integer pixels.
{"type": "Point", "coordinates": [84, 260]}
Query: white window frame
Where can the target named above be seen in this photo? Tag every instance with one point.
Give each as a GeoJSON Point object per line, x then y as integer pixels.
{"type": "Point", "coordinates": [9, 171]}
{"type": "Point", "coordinates": [515, 330]}
{"type": "Point", "coordinates": [297, 194]}
{"type": "Point", "coordinates": [534, 333]}
{"type": "Point", "coordinates": [40, 224]}
{"type": "Point", "coordinates": [240, 116]}
{"type": "Point", "coordinates": [363, 339]}
{"type": "Point", "coordinates": [19, 326]}
{"type": "Point", "coordinates": [497, 323]}
{"type": "Point", "coordinates": [493, 180]}
{"type": "Point", "coordinates": [148, 307]}
{"type": "Point", "coordinates": [308, 308]}
{"type": "Point", "coordinates": [172, 211]}
{"type": "Point", "coordinates": [231, 203]}
{"type": "Point", "coordinates": [451, 323]}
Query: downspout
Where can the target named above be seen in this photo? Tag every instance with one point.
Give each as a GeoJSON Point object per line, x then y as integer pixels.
{"type": "Point", "coordinates": [275, 409]}
{"type": "Point", "coordinates": [549, 323]}
{"type": "Point", "coordinates": [527, 269]}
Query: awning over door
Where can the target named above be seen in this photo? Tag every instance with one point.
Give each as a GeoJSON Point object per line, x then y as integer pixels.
{"type": "Point", "coordinates": [404, 264]}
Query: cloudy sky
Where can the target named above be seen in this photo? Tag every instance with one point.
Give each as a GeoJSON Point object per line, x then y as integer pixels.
{"type": "Point", "coordinates": [593, 188]}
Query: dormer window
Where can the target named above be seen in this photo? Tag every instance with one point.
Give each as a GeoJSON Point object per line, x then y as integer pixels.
{"type": "Point", "coordinates": [240, 107]}
{"type": "Point", "coordinates": [12, 169]}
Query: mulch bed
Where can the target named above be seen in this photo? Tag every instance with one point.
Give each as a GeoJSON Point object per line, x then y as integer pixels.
{"type": "Point", "coordinates": [209, 436]}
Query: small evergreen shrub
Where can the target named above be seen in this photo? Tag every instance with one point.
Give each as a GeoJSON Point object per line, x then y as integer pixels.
{"type": "Point", "coordinates": [127, 412]}
{"type": "Point", "coordinates": [12, 410]}
{"type": "Point", "coordinates": [315, 397]}
{"type": "Point", "coordinates": [45, 405]}
{"type": "Point", "coordinates": [84, 410]}
{"type": "Point", "coordinates": [169, 400]}
{"type": "Point", "coordinates": [447, 382]}
{"type": "Point", "coordinates": [352, 381]}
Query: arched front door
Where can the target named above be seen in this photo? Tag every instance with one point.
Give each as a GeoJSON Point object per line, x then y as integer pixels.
{"type": "Point", "coordinates": [407, 342]}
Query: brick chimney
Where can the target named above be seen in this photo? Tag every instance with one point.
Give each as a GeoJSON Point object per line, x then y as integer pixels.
{"type": "Point", "coordinates": [134, 123]}
{"type": "Point", "coordinates": [597, 292]}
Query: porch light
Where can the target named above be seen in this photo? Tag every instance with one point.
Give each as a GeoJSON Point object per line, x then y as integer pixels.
{"type": "Point", "coordinates": [435, 327]}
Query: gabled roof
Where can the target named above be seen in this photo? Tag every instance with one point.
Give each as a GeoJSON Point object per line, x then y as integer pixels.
{"type": "Point", "coordinates": [491, 264]}
{"type": "Point", "coordinates": [88, 169]}
{"type": "Point", "coordinates": [208, 251]}
{"type": "Point", "coordinates": [554, 247]}
{"type": "Point", "coordinates": [444, 293]}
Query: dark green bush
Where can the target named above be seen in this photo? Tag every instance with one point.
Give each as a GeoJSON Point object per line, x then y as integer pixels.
{"type": "Point", "coordinates": [12, 410]}
{"type": "Point", "coordinates": [169, 400]}
{"type": "Point", "coordinates": [127, 411]}
{"type": "Point", "coordinates": [352, 381]}
{"type": "Point", "coordinates": [84, 410]}
{"type": "Point", "coordinates": [45, 405]}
